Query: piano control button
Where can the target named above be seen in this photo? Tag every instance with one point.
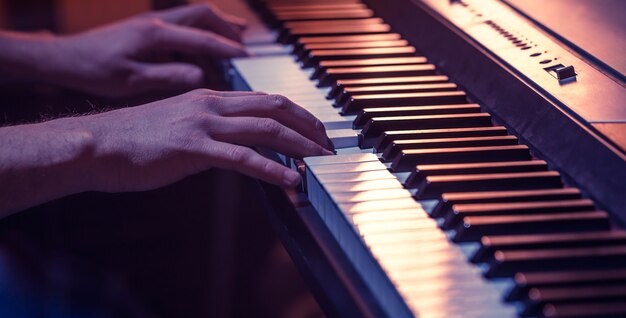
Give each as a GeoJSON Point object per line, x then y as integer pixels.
{"type": "Point", "coordinates": [507, 263]}
{"type": "Point", "coordinates": [331, 75]}
{"type": "Point", "coordinates": [459, 211]}
{"type": "Point", "coordinates": [526, 280]}
{"type": "Point", "coordinates": [340, 85]}
{"type": "Point", "coordinates": [449, 199]}
{"type": "Point", "coordinates": [490, 244]}
{"type": "Point", "coordinates": [394, 149]}
{"type": "Point", "coordinates": [473, 228]}
{"type": "Point", "coordinates": [315, 56]}
{"type": "Point", "coordinates": [408, 159]}
{"type": "Point", "coordinates": [357, 102]}
{"type": "Point", "coordinates": [389, 136]}
{"type": "Point", "coordinates": [422, 171]}
{"type": "Point", "coordinates": [377, 125]}
{"type": "Point", "coordinates": [368, 113]}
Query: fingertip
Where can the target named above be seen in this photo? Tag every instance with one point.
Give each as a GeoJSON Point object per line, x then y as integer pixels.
{"type": "Point", "coordinates": [291, 178]}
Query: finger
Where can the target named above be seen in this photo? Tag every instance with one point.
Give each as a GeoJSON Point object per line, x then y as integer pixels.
{"type": "Point", "coordinates": [264, 132]}
{"type": "Point", "coordinates": [204, 16]}
{"type": "Point", "coordinates": [171, 37]}
{"type": "Point", "coordinates": [249, 162]}
{"type": "Point", "coordinates": [279, 108]}
{"type": "Point", "coordinates": [149, 77]}
{"type": "Point", "coordinates": [209, 92]}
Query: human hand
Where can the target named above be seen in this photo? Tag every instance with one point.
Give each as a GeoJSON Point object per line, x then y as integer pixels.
{"type": "Point", "coordinates": [148, 146]}
{"type": "Point", "coordinates": [124, 58]}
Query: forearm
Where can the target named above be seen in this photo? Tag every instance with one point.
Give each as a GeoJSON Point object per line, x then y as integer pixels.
{"type": "Point", "coordinates": [31, 56]}
{"type": "Point", "coordinates": [42, 162]}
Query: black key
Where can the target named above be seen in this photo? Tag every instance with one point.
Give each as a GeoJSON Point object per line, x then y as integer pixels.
{"type": "Point", "coordinates": [292, 35]}
{"type": "Point", "coordinates": [459, 211]}
{"type": "Point", "coordinates": [538, 297]}
{"type": "Point", "coordinates": [331, 75]}
{"type": "Point", "coordinates": [390, 136]}
{"type": "Point", "coordinates": [449, 199]}
{"type": "Point", "coordinates": [394, 149]}
{"type": "Point", "coordinates": [317, 56]}
{"type": "Point", "coordinates": [368, 113]}
{"type": "Point", "coordinates": [347, 38]}
{"type": "Point", "coordinates": [408, 159]}
{"type": "Point", "coordinates": [307, 48]}
{"type": "Point", "coordinates": [323, 14]}
{"type": "Point", "coordinates": [525, 281]}
{"type": "Point", "coordinates": [422, 171]}
{"type": "Point", "coordinates": [377, 125]}
{"type": "Point", "coordinates": [490, 244]}
{"type": "Point", "coordinates": [507, 263]}
{"type": "Point", "coordinates": [473, 228]}
{"type": "Point", "coordinates": [588, 310]}
{"type": "Point", "coordinates": [328, 23]}
{"type": "Point", "coordinates": [356, 103]}
{"type": "Point", "coordinates": [434, 186]}
{"type": "Point", "coordinates": [323, 65]}
{"type": "Point", "coordinates": [379, 81]}
{"type": "Point", "coordinates": [348, 92]}
{"type": "Point", "coordinates": [312, 6]}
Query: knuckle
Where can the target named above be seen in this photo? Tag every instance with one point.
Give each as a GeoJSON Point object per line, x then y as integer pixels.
{"type": "Point", "coordinates": [278, 102]}
{"type": "Point", "coordinates": [238, 155]}
{"type": "Point", "coordinates": [270, 127]}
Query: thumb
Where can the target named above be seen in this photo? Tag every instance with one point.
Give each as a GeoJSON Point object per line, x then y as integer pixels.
{"type": "Point", "coordinates": [166, 76]}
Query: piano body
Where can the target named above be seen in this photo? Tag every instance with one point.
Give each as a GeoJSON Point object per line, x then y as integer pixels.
{"type": "Point", "coordinates": [481, 155]}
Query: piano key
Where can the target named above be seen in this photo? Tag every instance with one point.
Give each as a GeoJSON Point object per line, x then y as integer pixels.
{"type": "Point", "coordinates": [539, 297]}
{"type": "Point", "coordinates": [387, 215]}
{"type": "Point", "coordinates": [459, 211]}
{"type": "Point", "coordinates": [448, 199]}
{"type": "Point", "coordinates": [355, 176]}
{"type": "Point", "coordinates": [348, 92]}
{"type": "Point", "coordinates": [363, 185]}
{"type": "Point", "coordinates": [591, 309]}
{"type": "Point", "coordinates": [315, 56]}
{"type": "Point", "coordinates": [383, 194]}
{"type": "Point", "coordinates": [313, 6]}
{"type": "Point", "coordinates": [527, 280]}
{"type": "Point", "coordinates": [507, 263]}
{"type": "Point", "coordinates": [434, 186]}
{"type": "Point", "coordinates": [307, 48]}
{"type": "Point", "coordinates": [325, 23]}
{"type": "Point", "coordinates": [352, 208]}
{"type": "Point", "coordinates": [473, 228]}
{"type": "Point", "coordinates": [324, 160]}
{"type": "Point", "coordinates": [357, 102]}
{"type": "Point", "coordinates": [377, 125]}
{"type": "Point", "coordinates": [323, 15]}
{"type": "Point", "coordinates": [394, 149]}
{"type": "Point", "coordinates": [392, 135]}
{"type": "Point", "coordinates": [348, 167]}
{"type": "Point", "coordinates": [408, 159]}
{"type": "Point", "coordinates": [348, 38]}
{"type": "Point", "coordinates": [338, 87]}
{"type": "Point", "coordinates": [331, 75]}
{"type": "Point", "coordinates": [368, 113]}
{"type": "Point", "coordinates": [295, 33]}
{"type": "Point", "coordinates": [372, 62]}
{"type": "Point", "coordinates": [343, 138]}
{"type": "Point", "coordinates": [422, 171]}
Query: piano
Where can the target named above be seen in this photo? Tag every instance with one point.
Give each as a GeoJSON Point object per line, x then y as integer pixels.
{"type": "Point", "coordinates": [480, 166]}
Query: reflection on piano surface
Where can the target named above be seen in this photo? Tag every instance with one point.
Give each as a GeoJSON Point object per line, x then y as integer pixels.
{"type": "Point", "coordinates": [477, 182]}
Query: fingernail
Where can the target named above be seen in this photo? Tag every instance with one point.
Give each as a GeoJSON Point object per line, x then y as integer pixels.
{"type": "Point", "coordinates": [327, 152]}
{"type": "Point", "coordinates": [331, 146]}
{"type": "Point", "coordinates": [291, 178]}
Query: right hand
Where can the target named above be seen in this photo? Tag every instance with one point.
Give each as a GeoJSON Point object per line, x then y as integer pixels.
{"type": "Point", "coordinates": [148, 146]}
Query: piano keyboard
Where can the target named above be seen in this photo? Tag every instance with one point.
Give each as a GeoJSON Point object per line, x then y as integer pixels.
{"type": "Point", "coordinates": [442, 212]}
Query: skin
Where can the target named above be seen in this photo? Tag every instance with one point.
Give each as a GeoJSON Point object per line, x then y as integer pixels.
{"type": "Point", "coordinates": [152, 145]}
